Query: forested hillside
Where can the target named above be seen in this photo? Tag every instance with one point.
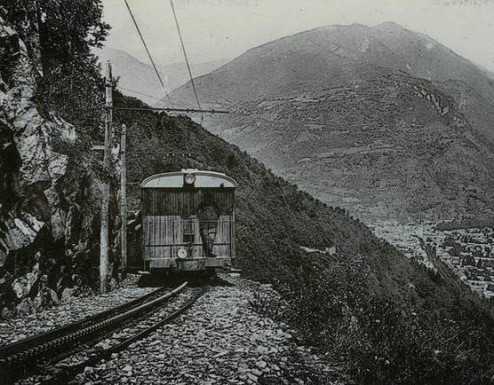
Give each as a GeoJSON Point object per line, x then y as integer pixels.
{"type": "Point", "coordinates": [389, 319]}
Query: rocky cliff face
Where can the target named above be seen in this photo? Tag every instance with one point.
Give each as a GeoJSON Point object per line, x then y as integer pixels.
{"type": "Point", "coordinates": [48, 197]}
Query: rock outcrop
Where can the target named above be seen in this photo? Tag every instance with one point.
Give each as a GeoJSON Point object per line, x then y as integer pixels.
{"type": "Point", "coordinates": [48, 197]}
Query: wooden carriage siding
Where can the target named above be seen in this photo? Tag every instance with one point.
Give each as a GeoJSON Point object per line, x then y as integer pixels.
{"type": "Point", "coordinates": [164, 235]}
{"type": "Point", "coordinates": [184, 203]}
{"type": "Point", "coordinates": [170, 222]}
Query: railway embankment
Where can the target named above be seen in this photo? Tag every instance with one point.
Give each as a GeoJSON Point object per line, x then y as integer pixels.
{"type": "Point", "coordinates": [227, 337]}
{"type": "Point", "coordinates": [222, 339]}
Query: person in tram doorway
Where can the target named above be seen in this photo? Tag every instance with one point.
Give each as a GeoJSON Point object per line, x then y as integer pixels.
{"type": "Point", "coordinates": [208, 223]}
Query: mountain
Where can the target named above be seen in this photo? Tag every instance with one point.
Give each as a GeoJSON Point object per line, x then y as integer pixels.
{"type": "Point", "coordinates": [382, 121]}
{"type": "Point", "coordinates": [139, 80]}
{"type": "Point", "coordinates": [383, 317]}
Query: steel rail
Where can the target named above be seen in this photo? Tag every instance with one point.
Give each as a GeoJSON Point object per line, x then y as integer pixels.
{"type": "Point", "coordinates": [19, 361]}
{"type": "Point", "coordinates": [63, 374]}
{"type": "Point", "coordinates": [170, 109]}
{"type": "Point", "coordinates": [25, 344]}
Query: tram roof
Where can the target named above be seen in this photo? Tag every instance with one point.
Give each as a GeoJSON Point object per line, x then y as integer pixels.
{"type": "Point", "coordinates": [176, 179]}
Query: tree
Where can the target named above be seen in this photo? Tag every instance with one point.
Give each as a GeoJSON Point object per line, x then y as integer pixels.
{"type": "Point", "coordinates": [71, 83]}
{"type": "Point", "coordinates": [69, 30]}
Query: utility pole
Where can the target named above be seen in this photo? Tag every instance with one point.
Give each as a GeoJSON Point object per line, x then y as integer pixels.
{"type": "Point", "coordinates": [104, 243]}
{"type": "Point", "coordinates": [123, 200]}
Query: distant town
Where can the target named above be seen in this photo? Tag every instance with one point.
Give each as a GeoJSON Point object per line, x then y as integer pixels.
{"type": "Point", "coordinates": [468, 252]}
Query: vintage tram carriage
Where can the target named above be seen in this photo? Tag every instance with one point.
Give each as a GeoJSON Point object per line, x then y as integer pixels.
{"type": "Point", "coordinates": [188, 221]}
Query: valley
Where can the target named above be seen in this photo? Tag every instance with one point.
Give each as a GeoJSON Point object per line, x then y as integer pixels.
{"type": "Point", "coordinates": [384, 122]}
{"type": "Point", "coordinates": [392, 132]}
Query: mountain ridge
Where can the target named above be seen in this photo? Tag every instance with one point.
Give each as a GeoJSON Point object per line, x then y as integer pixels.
{"type": "Point", "coordinates": [355, 85]}
{"type": "Point", "coordinates": [138, 79]}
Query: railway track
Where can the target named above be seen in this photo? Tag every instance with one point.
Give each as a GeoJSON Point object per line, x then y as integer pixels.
{"type": "Point", "coordinates": [41, 353]}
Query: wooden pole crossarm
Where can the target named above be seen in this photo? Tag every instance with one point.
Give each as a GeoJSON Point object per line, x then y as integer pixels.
{"type": "Point", "coordinates": [171, 110]}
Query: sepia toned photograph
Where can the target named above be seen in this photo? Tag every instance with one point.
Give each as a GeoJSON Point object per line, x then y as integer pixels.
{"type": "Point", "coordinates": [273, 192]}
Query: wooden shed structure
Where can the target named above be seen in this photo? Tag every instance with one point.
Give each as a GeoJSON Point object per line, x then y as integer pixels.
{"type": "Point", "coordinates": [188, 220]}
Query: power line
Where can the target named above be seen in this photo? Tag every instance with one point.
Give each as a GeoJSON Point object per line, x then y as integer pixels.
{"type": "Point", "coordinates": [139, 92]}
{"type": "Point", "coordinates": [170, 109]}
{"type": "Point", "coordinates": [147, 50]}
{"type": "Point", "coordinates": [185, 54]}
{"type": "Point", "coordinates": [210, 111]}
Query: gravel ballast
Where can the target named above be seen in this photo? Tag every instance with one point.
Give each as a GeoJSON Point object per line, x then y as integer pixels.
{"type": "Point", "coordinates": [220, 340]}
{"type": "Point", "coordinates": [225, 338]}
{"type": "Point", "coordinates": [72, 309]}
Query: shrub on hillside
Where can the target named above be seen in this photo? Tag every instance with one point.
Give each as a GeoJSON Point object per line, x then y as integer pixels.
{"type": "Point", "coordinates": [390, 320]}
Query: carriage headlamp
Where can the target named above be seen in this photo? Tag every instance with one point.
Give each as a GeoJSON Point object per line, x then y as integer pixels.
{"type": "Point", "coordinates": [190, 178]}
{"type": "Point", "coordinates": [182, 253]}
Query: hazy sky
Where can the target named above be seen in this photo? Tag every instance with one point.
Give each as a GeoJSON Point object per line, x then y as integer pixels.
{"type": "Point", "coordinates": [216, 29]}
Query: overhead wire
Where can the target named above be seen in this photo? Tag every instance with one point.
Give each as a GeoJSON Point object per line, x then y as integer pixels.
{"type": "Point", "coordinates": [139, 92]}
{"type": "Point", "coordinates": [148, 52]}
{"type": "Point", "coordinates": [186, 57]}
